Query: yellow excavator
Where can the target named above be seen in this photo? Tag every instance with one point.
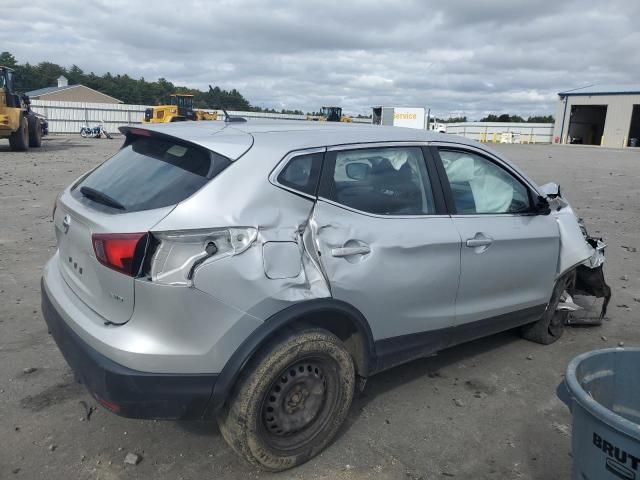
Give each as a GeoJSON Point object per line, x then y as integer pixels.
{"type": "Point", "coordinates": [330, 114]}
{"type": "Point", "coordinates": [23, 127]}
{"type": "Point", "coordinates": [179, 110]}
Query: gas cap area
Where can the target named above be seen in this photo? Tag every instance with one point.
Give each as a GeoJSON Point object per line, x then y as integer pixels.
{"type": "Point", "coordinates": [281, 260]}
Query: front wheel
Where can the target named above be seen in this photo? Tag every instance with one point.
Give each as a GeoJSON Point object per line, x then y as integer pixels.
{"type": "Point", "coordinates": [290, 401]}
{"type": "Point", "coordinates": [19, 140]}
{"type": "Point", "coordinates": [550, 327]}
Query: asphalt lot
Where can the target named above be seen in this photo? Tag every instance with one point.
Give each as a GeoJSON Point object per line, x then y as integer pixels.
{"type": "Point", "coordinates": [483, 410]}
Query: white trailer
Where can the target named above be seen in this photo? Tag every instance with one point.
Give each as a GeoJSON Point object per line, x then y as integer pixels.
{"type": "Point", "coordinates": [409, 117]}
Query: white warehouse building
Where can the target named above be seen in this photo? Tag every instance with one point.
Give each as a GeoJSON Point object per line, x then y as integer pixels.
{"type": "Point", "coordinates": [605, 115]}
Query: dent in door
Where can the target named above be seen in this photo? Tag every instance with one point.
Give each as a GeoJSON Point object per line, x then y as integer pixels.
{"type": "Point", "coordinates": [278, 270]}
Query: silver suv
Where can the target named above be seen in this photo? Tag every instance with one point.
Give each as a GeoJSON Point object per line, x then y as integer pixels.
{"type": "Point", "coordinates": [257, 272]}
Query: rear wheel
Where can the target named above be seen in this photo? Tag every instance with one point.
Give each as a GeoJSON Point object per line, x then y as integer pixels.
{"type": "Point", "coordinates": [19, 140]}
{"type": "Point", "coordinates": [290, 401]}
{"type": "Point", "coordinates": [35, 132]}
{"type": "Point", "coordinates": [550, 327]}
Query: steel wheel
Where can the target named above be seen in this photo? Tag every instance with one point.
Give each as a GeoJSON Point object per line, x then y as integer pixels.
{"type": "Point", "coordinates": [291, 399]}
{"type": "Point", "coordinates": [298, 403]}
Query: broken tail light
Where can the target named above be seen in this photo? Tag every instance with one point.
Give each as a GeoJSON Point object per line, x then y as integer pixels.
{"type": "Point", "coordinates": [123, 252]}
{"type": "Point", "coordinates": [177, 254]}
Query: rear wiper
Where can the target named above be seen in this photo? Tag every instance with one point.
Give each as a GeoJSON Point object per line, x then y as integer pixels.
{"type": "Point", "coordinates": [100, 197]}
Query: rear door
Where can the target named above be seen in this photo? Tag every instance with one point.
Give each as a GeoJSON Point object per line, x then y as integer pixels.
{"type": "Point", "coordinates": [509, 252]}
{"type": "Point", "coordinates": [387, 245]}
{"type": "Point", "coordinates": [129, 193]}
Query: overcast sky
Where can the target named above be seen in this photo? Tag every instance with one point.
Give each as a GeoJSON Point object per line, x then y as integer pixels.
{"type": "Point", "coordinates": [466, 57]}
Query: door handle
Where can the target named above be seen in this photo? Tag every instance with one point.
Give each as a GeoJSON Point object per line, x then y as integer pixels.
{"type": "Point", "coordinates": [479, 241]}
{"type": "Point", "coordinates": [348, 251]}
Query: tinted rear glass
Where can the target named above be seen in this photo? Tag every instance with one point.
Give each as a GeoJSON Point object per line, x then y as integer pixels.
{"type": "Point", "coordinates": [152, 172]}
{"type": "Point", "coordinates": [302, 173]}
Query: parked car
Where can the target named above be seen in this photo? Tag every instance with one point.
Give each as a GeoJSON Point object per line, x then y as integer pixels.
{"type": "Point", "coordinates": [258, 272]}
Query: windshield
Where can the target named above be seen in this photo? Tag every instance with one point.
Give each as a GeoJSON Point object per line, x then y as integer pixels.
{"type": "Point", "coordinates": [149, 173]}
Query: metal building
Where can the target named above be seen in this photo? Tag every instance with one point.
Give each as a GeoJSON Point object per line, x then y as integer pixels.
{"type": "Point", "coordinates": [605, 115]}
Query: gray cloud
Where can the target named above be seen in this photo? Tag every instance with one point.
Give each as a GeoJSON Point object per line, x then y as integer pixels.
{"type": "Point", "coordinates": [455, 57]}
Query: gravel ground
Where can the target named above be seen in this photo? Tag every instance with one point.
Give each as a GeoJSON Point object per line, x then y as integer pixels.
{"type": "Point", "coordinates": [486, 409]}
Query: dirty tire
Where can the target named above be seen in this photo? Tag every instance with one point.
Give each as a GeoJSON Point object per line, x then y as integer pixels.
{"type": "Point", "coordinates": [35, 132]}
{"type": "Point", "coordinates": [290, 400]}
{"type": "Point", "coordinates": [550, 327]}
{"type": "Point", "coordinates": [19, 140]}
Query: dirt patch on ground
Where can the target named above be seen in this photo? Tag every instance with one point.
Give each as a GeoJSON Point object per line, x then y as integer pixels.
{"type": "Point", "coordinates": [59, 393]}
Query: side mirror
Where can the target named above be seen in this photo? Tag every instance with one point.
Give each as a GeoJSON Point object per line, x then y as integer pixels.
{"type": "Point", "coordinates": [551, 190]}
{"type": "Point", "coordinates": [542, 206]}
{"type": "Point", "coordinates": [358, 170]}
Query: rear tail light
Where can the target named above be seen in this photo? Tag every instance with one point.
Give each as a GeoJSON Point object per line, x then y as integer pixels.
{"type": "Point", "coordinates": [123, 252]}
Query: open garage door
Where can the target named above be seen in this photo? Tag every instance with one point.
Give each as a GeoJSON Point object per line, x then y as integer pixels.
{"type": "Point", "coordinates": [634, 131]}
{"type": "Point", "coordinates": [586, 125]}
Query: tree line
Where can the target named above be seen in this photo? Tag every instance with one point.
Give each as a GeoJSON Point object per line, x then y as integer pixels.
{"type": "Point", "coordinates": [130, 90]}
{"type": "Point", "coordinates": [505, 117]}
{"type": "Point", "coordinates": [142, 92]}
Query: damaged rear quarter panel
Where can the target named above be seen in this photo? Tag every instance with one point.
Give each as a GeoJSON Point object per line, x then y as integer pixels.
{"type": "Point", "coordinates": [250, 281]}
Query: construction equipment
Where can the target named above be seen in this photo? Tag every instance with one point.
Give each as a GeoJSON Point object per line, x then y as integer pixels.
{"type": "Point", "coordinates": [330, 114]}
{"type": "Point", "coordinates": [179, 110]}
{"type": "Point", "coordinates": [18, 122]}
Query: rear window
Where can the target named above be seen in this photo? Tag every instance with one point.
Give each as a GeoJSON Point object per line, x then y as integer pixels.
{"type": "Point", "coordinates": [152, 172]}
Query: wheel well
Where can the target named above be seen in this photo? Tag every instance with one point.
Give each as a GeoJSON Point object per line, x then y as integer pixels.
{"type": "Point", "coordinates": [339, 318]}
{"type": "Point", "coordinates": [343, 327]}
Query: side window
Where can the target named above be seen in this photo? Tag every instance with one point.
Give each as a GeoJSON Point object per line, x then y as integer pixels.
{"type": "Point", "coordinates": [384, 181]}
{"type": "Point", "coordinates": [479, 186]}
{"type": "Point", "coordinates": [302, 173]}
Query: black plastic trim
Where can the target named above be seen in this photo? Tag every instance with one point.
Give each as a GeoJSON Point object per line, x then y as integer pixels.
{"type": "Point", "coordinates": [282, 319]}
{"type": "Point", "coordinates": [397, 350]}
{"type": "Point", "coordinates": [435, 181]}
{"type": "Point", "coordinates": [137, 394]}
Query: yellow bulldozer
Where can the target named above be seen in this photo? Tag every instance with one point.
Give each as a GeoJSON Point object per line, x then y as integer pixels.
{"type": "Point", "coordinates": [18, 122]}
{"type": "Point", "coordinates": [330, 114]}
{"type": "Point", "coordinates": [179, 110]}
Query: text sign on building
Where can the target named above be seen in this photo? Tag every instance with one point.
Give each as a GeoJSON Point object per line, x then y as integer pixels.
{"type": "Point", "coordinates": [409, 117]}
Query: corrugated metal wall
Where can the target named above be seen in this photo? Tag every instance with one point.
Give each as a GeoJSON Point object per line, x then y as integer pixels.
{"type": "Point", "coordinates": [617, 122]}
{"type": "Point", "coordinates": [69, 117]}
